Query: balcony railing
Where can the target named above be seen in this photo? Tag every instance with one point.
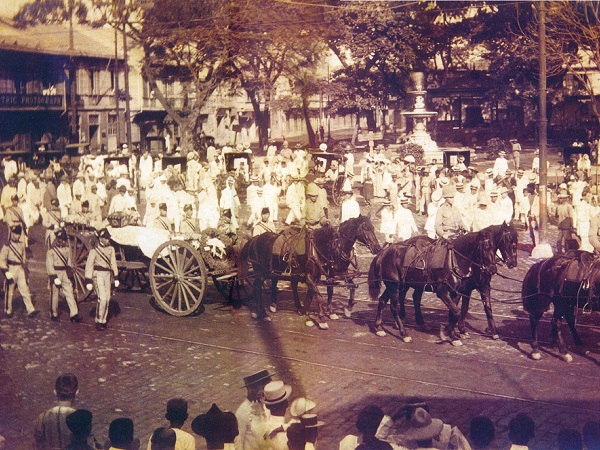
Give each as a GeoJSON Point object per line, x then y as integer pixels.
{"type": "Point", "coordinates": [31, 101]}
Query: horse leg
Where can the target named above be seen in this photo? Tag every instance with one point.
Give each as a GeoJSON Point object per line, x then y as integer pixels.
{"type": "Point", "coordinates": [570, 316]}
{"type": "Point", "coordinates": [260, 312]}
{"type": "Point", "coordinates": [562, 347]}
{"type": "Point", "coordinates": [382, 302]}
{"type": "Point", "coordinates": [332, 315]}
{"type": "Point", "coordinates": [486, 298]}
{"type": "Point", "coordinates": [454, 316]}
{"type": "Point", "coordinates": [417, 296]}
{"type": "Point", "coordinates": [313, 290]}
{"type": "Point", "coordinates": [534, 320]}
{"type": "Point", "coordinates": [394, 297]}
{"type": "Point", "coordinates": [297, 302]}
{"type": "Point", "coordinates": [351, 301]}
{"type": "Point", "coordinates": [273, 305]}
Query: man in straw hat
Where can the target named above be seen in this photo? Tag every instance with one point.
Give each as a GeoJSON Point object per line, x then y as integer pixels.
{"type": "Point", "coordinates": [303, 435]}
{"type": "Point", "coordinates": [276, 395]}
{"type": "Point", "coordinates": [252, 414]}
{"type": "Point", "coordinates": [500, 164]}
{"type": "Point", "coordinates": [448, 221]}
{"type": "Point", "coordinates": [565, 214]}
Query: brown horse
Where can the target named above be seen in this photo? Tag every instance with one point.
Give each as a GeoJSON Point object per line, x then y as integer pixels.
{"type": "Point", "coordinates": [448, 268]}
{"type": "Point", "coordinates": [562, 281]}
{"type": "Point", "coordinates": [328, 254]}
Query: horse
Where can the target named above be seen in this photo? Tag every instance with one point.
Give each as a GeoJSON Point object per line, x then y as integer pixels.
{"type": "Point", "coordinates": [504, 242]}
{"type": "Point", "coordinates": [421, 262]}
{"type": "Point", "coordinates": [561, 281]}
{"type": "Point", "coordinates": [329, 254]}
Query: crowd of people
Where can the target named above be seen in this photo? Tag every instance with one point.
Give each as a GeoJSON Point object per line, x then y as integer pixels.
{"type": "Point", "coordinates": [268, 418]}
{"type": "Point", "coordinates": [245, 194]}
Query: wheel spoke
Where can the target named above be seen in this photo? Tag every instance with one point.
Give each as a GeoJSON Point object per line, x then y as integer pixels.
{"type": "Point", "coordinates": [191, 285]}
{"type": "Point", "coordinates": [167, 270]}
{"type": "Point", "coordinates": [186, 291]}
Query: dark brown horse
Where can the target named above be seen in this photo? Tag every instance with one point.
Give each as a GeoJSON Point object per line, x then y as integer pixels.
{"type": "Point", "coordinates": [562, 281]}
{"type": "Point", "coordinates": [328, 255]}
{"type": "Point", "coordinates": [420, 262]}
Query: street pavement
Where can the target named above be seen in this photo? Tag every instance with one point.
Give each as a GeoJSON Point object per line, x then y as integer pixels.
{"type": "Point", "coordinates": [146, 357]}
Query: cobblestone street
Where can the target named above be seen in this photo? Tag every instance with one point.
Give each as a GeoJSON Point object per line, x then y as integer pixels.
{"type": "Point", "coordinates": [147, 357]}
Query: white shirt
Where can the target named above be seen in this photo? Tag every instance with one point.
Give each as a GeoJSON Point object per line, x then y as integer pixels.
{"type": "Point", "coordinates": [406, 223]}
{"type": "Point", "coordinates": [350, 209]}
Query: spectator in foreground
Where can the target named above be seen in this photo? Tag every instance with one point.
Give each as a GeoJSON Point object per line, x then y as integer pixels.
{"type": "Point", "coordinates": [51, 430]}
{"type": "Point", "coordinates": [120, 435]}
{"type": "Point", "coordinates": [481, 432]}
{"type": "Point", "coordinates": [80, 425]}
{"type": "Point", "coordinates": [177, 414]}
{"type": "Point", "coordinates": [569, 439]}
{"type": "Point", "coordinates": [591, 435]}
{"type": "Point", "coordinates": [163, 438]}
{"type": "Point", "coordinates": [521, 430]}
{"type": "Point", "coordinates": [219, 429]}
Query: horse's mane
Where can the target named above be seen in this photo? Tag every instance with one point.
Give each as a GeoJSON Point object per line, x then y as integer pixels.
{"type": "Point", "coordinates": [349, 224]}
{"type": "Point", "coordinates": [324, 237]}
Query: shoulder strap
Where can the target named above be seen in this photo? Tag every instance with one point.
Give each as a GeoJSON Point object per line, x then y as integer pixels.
{"type": "Point", "coordinates": [103, 256]}
{"type": "Point", "coordinates": [61, 256]}
{"type": "Point", "coordinates": [16, 252]}
{"type": "Point", "coordinates": [163, 223]}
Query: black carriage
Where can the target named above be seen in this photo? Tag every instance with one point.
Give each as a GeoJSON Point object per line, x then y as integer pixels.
{"type": "Point", "coordinates": [451, 157]}
{"type": "Point", "coordinates": [234, 160]}
{"type": "Point", "coordinates": [571, 154]}
{"type": "Point", "coordinates": [322, 163]}
{"type": "Point", "coordinates": [175, 161]}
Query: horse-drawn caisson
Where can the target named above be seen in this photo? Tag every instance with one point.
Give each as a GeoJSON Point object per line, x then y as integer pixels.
{"type": "Point", "coordinates": [176, 267]}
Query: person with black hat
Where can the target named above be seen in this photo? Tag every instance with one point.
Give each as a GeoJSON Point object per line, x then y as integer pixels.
{"type": "Point", "coordinates": [80, 425]}
{"type": "Point", "coordinates": [265, 225]}
{"type": "Point", "coordinates": [13, 263]}
{"type": "Point", "coordinates": [100, 271]}
{"type": "Point", "coordinates": [52, 220]}
{"type": "Point", "coordinates": [188, 224]}
{"type": "Point", "coordinates": [50, 428]}
{"type": "Point", "coordinates": [120, 435]}
{"type": "Point", "coordinates": [251, 415]}
{"type": "Point", "coordinates": [163, 222]}
{"type": "Point", "coordinates": [218, 428]}
{"type": "Point", "coordinates": [177, 414]}
{"type": "Point", "coordinates": [59, 265]}
{"type": "Point", "coordinates": [13, 216]}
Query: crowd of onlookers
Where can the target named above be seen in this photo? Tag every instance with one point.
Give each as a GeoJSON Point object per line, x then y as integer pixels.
{"type": "Point", "coordinates": [268, 418]}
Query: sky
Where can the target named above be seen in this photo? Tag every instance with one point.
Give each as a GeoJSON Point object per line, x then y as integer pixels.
{"type": "Point", "coordinates": [8, 8]}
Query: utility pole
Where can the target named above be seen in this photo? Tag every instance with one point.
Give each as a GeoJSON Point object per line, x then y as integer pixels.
{"type": "Point", "coordinates": [118, 124]}
{"type": "Point", "coordinates": [543, 125]}
{"type": "Point", "coordinates": [127, 106]}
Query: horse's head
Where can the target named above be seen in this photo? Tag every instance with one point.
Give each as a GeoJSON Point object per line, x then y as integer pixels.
{"type": "Point", "coordinates": [364, 232]}
{"type": "Point", "coordinates": [486, 252]}
{"type": "Point", "coordinates": [506, 241]}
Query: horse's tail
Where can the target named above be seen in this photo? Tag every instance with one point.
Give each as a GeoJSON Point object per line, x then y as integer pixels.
{"type": "Point", "coordinates": [243, 269]}
{"type": "Point", "coordinates": [375, 276]}
{"type": "Point", "coordinates": [530, 289]}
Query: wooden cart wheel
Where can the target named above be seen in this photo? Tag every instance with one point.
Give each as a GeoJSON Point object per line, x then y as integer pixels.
{"type": "Point", "coordinates": [79, 253]}
{"type": "Point", "coordinates": [236, 291]}
{"type": "Point", "coordinates": [336, 190]}
{"type": "Point", "coordinates": [178, 277]}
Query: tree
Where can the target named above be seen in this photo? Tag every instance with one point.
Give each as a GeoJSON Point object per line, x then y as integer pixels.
{"type": "Point", "coordinates": [51, 11]}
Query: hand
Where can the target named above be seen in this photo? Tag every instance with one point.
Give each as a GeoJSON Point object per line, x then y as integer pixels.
{"type": "Point", "coordinates": [57, 282]}
{"type": "Point", "coordinates": [9, 276]}
{"type": "Point", "coordinates": [117, 283]}
{"type": "Point", "coordinates": [89, 286]}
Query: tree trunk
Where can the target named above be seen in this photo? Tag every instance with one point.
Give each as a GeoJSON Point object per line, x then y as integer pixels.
{"type": "Point", "coordinates": [371, 124]}
{"type": "Point", "coordinates": [312, 142]}
{"type": "Point", "coordinates": [261, 118]}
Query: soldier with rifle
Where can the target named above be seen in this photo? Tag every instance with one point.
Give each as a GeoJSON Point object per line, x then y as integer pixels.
{"type": "Point", "coordinates": [59, 265]}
